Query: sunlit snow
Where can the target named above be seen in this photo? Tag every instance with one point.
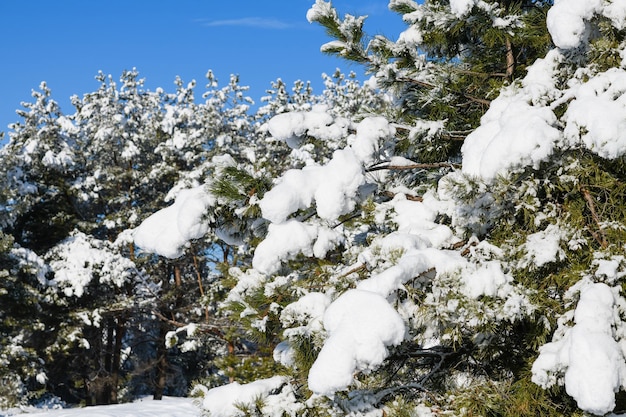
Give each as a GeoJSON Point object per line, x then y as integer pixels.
{"type": "Point", "coordinates": [146, 407]}
{"type": "Point", "coordinates": [587, 356]}
{"type": "Point", "coordinates": [167, 231]}
{"type": "Point", "coordinates": [361, 325]}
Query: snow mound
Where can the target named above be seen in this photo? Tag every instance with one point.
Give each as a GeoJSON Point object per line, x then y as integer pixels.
{"type": "Point", "coordinates": [286, 240]}
{"type": "Point", "coordinates": [520, 129]}
{"type": "Point", "coordinates": [511, 133]}
{"type": "Point", "coordinates": [460, 8]}
{"type": "Point", "coordinates": [146, 407]}
{"type": "Point", "coordinates": [332, 187]}
{"type": "Point", "coordinates": [80, 258]}
{"type": "Point", "coordinates": [167, 231]}
{"type": "Point", "coordinates": [223, 401]}
{"type": "Point", "coordinates": [568, 20]}
{"type": "Point", "coordinates": [360, 325]}
{"type": "Point", "coordinates": [588, 354]}
{"type": "Point", "coordinates": [597, 115]}
{"type": "Point", "coordinates": [293, 127]}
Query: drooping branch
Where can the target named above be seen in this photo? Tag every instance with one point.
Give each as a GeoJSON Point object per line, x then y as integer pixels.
{"type": "Point", "coordinates": [455, 135]}
{"type": "Point", "coordinates": [439, 355]}
{"type": "Point", "coordinates": [204, 328]}
{"type": "Point", "coordinates": [480, 74]}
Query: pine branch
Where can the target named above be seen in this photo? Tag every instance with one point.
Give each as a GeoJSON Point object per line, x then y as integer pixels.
{"type": "Point", "coordinates": [205, 328]}
{"type": "Point", "coordinates": [408, 196]}
{"type": "Point", "coordinates": [456, 135]}
{"type": "Point", "coordinates": [413, 166]}
{"type": "Point", "coordinates": [432, 86]}
{"type": "Point", "coordinates": [599, 236]}
{"type": "Point", "coordinates": [438, 353]}
{"type": "Point", "coordinates": [347, 219]}
{"type": "Point", "coordinates": [480, 74]}
{"type": "Point", "coordinates": [449, 135]}
{"type": "Point", "coordinates": [359, 268]}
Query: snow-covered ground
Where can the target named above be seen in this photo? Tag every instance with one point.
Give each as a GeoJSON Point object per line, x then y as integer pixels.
{"type": "Point", "coordinates": [168, 407]}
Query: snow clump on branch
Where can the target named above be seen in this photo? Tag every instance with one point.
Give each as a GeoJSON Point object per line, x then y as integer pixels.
{"type": "Point", "coordinates": [586, 354]}
{"type": "Point", "coordinates": [168, 231]}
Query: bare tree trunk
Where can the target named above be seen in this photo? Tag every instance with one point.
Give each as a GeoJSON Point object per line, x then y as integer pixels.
{"type": "Point", "coordinates": [106, 390]}
{"type": "Point", "coordinates": [120, 330]}
{"type": "Point", "coordinates": [231, 352]}
{"type": "Point", "coordinates": [161, 365]}
{"type": "Point", "coordinates": [199, 277]}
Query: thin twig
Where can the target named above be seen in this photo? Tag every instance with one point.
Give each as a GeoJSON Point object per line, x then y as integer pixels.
{"type": "Point", "coordinates": [454, 136]}
{"type": "Point", "coordinates": [600, 236]}
{"type": "Point", "coordinates": [347, 219]}
{"type": "Point", "coordinates": [457, 135]}
{"type": "Point", "coordinates": [359, 268]}
{"type": "Point", "coordinates": [480, 74]}
{"type": "Point", "coordinates": [440, 355]}
{"type": "Point", "coordinates": [468, 249]}
{"type": "Point", "coordinates": [205, 328]}
{"type": "Point", "coordinates": [199, 277]}
{"type": "Point", "coordinates": [413, 166]}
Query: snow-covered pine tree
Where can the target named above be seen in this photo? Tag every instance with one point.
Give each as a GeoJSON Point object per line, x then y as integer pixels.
{"type": "Point", "coordinates": [137, 144]}
{"type": "Point", "coordinates": [38, 165]}
{"type": "Point", "coordinates": [564, 231]}
{"type": "Point", "coordinates": [73, 188]}
{"type": "Point", "coordinates": [447, 66]}
{"type": "Point", "coordinates": [42, 165]}
{"type": "Point", "coordinates": [22, 370]}
{"type": "Point", "coordinates": [473, 295]}
{"type": "Point", "coordinates": [238, 172]}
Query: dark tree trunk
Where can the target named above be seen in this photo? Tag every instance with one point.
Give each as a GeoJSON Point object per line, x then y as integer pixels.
{"type": "Point", "coordinates": [105, 392]}
{"type": "Point", "coordinates": [161, 365]}
{"type": "Point", "coordinates": [120, 330]}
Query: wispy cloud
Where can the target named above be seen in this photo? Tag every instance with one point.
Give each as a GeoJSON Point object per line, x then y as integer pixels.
{"type": "Point", "coordinates": [253, 22]}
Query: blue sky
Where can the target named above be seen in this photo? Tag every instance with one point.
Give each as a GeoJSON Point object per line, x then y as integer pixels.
{"type": "Point", "coordinates": [66, 43]}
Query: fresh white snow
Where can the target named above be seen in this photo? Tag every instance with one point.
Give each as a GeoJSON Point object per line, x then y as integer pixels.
{"type": "Point", "coordinates": [146, 407]}
{"type": "Point", "coordinates": [167, 231]}
{"type": "Point", "coordinates": [360, 325]}
{"type": "Point", "coordinates": [568, 20]}
{"type": "Point", "coordinates": [587, 355]}
{"type": "Point", "coordinates": [79, 258]}
{"type": "Point", "coordinates": [223, 401]}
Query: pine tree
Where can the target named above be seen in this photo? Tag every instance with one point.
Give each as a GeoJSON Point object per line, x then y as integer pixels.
{"type": "Point", "coordinates": [447, 66]}
{"type": "Point", "coordinates": [452, 244]}
{"type": "Point", "coordinates": [491, 280]}
{"type": "Point", "coordinates": [78, 184]}
{"type": "Point", "coordinates": [22, 274]}
{"type": "Point", "coordinates": [38, 169]}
